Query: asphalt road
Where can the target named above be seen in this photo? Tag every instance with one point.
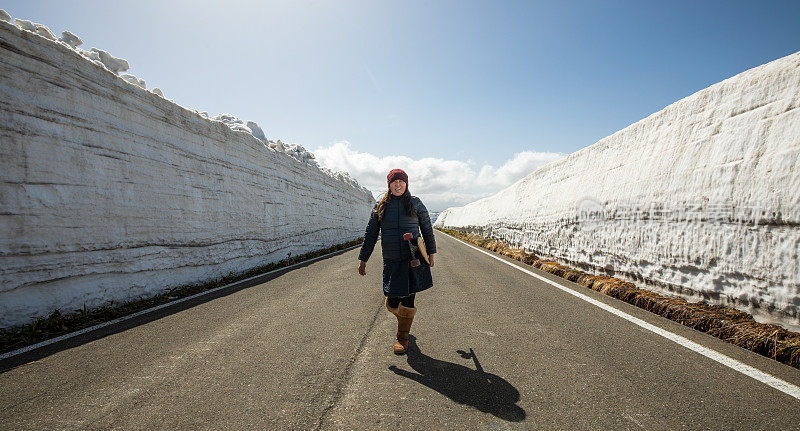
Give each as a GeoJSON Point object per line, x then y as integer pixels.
{"type": "Point", "coordinates": [492, 348]}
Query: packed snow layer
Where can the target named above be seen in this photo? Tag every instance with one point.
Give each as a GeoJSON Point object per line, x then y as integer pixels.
{"type": "Point", "coordinates": [118, 65]}
{"type": "Point", "coordinates": [110, 192]}
{"type": "Point", "coordinates": [701, 199]}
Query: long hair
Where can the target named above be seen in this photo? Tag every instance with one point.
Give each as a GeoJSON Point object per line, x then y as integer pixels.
{"type": "Point", "coordinates": [410, 211]}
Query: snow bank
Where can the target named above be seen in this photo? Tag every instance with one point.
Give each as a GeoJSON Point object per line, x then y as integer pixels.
{"type": "Point", "coordinates": [118, 65]}
{"type": "Point", "coordinates": [70, 39]}
{"type": "Point", "coordinates": [699, 199]}
{"type": "Point", "coordinates": [110, 192]}
{"type": "Point", "coordinates": [25, 25]}
{"type": "Point", "coordinates": [111, 63]}
{"type": "Point", "coordinates": [130, 79]}
{"type": "Point", "coordinates": [256, 131]}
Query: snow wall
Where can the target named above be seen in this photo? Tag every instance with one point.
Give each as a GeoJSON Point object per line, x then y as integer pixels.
{"type": "Point", "coordinates": [700, 199]}
{"type": "Point", "coordinates": [110, 192]}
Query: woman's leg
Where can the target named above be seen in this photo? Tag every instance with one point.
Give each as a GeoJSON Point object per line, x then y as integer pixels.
{"type": "Point", "coordinates": [403, 309]}
{"type": "Point", "coordinates": [393, 302]}
{"type": "Point", "coordinates": [405, 316]}
{"type": "Point", "coordinates": [408, 301]}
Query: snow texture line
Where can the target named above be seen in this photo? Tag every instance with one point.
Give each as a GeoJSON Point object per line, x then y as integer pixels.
{"type": "Point", "coordinates": [776, 383]}
{"type": "Point", "coordinates": [158, 307]}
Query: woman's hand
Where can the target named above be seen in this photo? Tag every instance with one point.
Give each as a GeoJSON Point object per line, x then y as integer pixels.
{"type": "Point", "coordinates": [362, 267]}
{"type": "Point", "coordinates": [430, 258]}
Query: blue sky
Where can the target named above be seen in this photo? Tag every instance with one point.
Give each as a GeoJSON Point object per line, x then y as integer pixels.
{"type": "Point", "coordinates": [468, 96]}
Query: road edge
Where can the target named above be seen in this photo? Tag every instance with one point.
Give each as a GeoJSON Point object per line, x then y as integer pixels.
{"type": "Point", "coordinates": [65, 337]}
{"type": "Point", "coordinates": [763, 377]}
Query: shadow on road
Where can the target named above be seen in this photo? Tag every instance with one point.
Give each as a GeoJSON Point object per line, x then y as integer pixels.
{"type": "Point", "coordinates": [486, 392]}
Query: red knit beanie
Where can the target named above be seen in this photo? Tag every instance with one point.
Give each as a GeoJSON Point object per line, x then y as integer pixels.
{"type": "Point", "coordinates": [397, 174]}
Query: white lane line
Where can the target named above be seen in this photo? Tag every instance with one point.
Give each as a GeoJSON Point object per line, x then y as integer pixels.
{"type": "Point", "coordinates": [158, 307]}
{"type": "Point", "coordinates": [781, 385]}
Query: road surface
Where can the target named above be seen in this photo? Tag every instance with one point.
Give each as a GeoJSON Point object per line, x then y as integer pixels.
{"type": "Point", "coordinates": [492, 348]}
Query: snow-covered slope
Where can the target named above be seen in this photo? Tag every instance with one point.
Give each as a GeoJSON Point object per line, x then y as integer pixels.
{"type": "Point", "coordinates": [700, 199]}
{"type": "Point", "coordinates": [110, 192]}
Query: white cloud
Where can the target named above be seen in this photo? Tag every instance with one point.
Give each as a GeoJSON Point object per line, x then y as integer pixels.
{"type": "Point", "coordinates": [438, 182]}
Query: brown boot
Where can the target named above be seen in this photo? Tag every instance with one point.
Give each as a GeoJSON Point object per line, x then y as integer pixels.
{"type": "Point", "coordinates": [391, 310]}
{"type": "Point", "coordinates": [405, 316]}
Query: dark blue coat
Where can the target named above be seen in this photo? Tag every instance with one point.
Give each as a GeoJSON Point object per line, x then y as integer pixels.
{"type": "Point", "coordinates": [399, 278]}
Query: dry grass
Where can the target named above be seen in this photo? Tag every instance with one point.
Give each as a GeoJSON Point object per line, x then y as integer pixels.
{"type": "Point", "coordinates": [728, 324]}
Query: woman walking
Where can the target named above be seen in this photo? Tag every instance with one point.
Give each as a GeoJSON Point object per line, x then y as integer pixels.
{"type": "Point", "coordinates": [397, 214]}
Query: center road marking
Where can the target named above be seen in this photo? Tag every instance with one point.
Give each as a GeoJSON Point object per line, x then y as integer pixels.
{"type": "Point", "coordinates": [781, 385]}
